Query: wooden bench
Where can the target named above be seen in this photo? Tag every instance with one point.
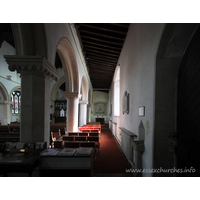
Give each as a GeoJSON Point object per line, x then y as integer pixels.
{"type": "Point", "coordinates": [4, 128]}
{"type": "Point", "coordinates": [10, 133]}
{"type": "Point", "coordinates": [73, 133]}
{"type": "Point", "coordinates": [14, 128]}
{"type": "Point", "coordinates": [94, 139]}
{"type": "Point", "coordinates": [77, 144]}
{"type": "Point", "coordinates": [93, 134]}
{"type": "Point", "coordinates": [2, 147]}
{"type": "Point", "coordinates": [90, 129]}
{"type": "Point", "coordinates": [59, 127]}
{"type": "Point", "coordinates": [83, 134]}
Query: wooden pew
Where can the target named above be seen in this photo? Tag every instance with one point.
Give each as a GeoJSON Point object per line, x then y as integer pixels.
{"type": "Point", "coordinates": [4, 128]}
{"type": "Point", "coordinates": [94, 139]}
{"type": "Point", "coordinates": [14, 128]}
{"type": "Point", "coordinates": [6, 135]}
{"type": "Point", "coordinates": [58, 144]}
{"type": "Point", "coordinates": [59, 127]}
{"type": "Point", "coordinates": [73, 133]}
{"type": "Point", "coordinates": [71, 144]}
{"type": "Point", "coordinates": [93, 134]}
{"type": "Point", "coordinates": [2, 147]}
{"type": "Point", "coordinates": [83, 133]}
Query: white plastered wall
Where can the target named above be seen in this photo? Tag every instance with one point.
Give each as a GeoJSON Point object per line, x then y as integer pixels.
{"type": "Point", "coordinates": [100, 97]}
{"type": "Point", "coordinates": [137, 77]}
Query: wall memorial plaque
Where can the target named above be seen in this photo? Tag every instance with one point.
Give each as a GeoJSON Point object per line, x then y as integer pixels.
{"type": "Point", "coordinates": [125, 103]}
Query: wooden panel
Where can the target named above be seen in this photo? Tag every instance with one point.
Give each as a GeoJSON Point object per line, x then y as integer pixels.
{"type": "Point", "coordinates": [188, 114]}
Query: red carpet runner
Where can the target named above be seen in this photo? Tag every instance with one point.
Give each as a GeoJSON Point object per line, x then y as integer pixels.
{"type": "Point", "coordinates": [110, 158]}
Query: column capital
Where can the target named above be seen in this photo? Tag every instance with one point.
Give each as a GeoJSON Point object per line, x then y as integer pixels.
{"type": "Point", "coordinates": [83, 102]}
{"type": "Point", "coordinates": [5, 102]}
{"type": "Point", "coordinates": [72, 95]}
{"type": "Point", "coordinates": [32, 65]}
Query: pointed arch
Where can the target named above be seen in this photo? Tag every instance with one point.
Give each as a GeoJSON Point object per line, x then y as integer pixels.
{"type": "Point", "coordinates": [57, 86]}
{"type": "Point", "coordinates": [3, 93]}
{"type": "Point", "coordinates": [68, 59]}
{"type": "Point", "coordinates": [84, 88]}
{"type": "Point", "coordinates": [17, 88]}
{"type": "Point", "coordinates": [30, 39]}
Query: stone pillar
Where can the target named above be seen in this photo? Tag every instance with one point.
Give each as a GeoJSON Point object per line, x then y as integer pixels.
{"type": "Point", "coordinates": [72, 110]}
{"type": "Point", "coordinates": [83, 112]}
{"type": "Point", "coordinates": [5, 112]}
{"type": "Point", "coordinates": [36, 75]}
{"type": "Point", "coordinates": [88, 113]}
{"type": "Point", "coordinates": [1, 112]}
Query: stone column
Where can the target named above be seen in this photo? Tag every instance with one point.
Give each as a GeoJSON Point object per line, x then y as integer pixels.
{"type": "Point", "coordinates": [72, 110]}
{"type": "Point", "coordinates": [36, 75]}
{"type": "Point", "coordinates": [88, 113]}
{"type": "Point", "coordinates": [83, 112]}
{"type": "Point", "coordinates": [5, 112]}
{"type": "Point", "coordinates": [2, 112]}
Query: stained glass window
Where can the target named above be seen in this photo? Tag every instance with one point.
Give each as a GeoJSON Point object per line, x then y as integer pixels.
{"type": "Point", "coordinates": [16, 102]}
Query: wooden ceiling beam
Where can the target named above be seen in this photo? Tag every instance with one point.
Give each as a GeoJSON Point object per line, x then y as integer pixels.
{"type": "Point", "coordinates": [93, 62]}
{"type": "Point", "coordinates": [100, 52]}
{"type": "Point", "coordinates": [102, 66]}
{"type": "Point", "coordinates": [98, 56]}
{"type": "Point", "coordinates": [100, 40]}
{"type": "Point", "coordinates": [94, 47]}
{"type": "Point", "coordinates": [98, 44]}
{"type": "Point", "coordinates": [102, 35]}
{"type": "Point", "coordinates": [94, 67]}
{"type": "Point", "coordinates": [101, 83]}
{"type": "Point", "coordinates": [102, 79]}
{"type": "Point", "coordinates": [101, 61]}
{"type": "Point", "coordinates": [95, 80]}
{"type": "Point", "coordinates": [120, 25]}
{"type": "Point", "coordinates": [107, 70]}
{"type": "Point", "coordinates": [109, 75]}
{"type": "Point", "coordinates": [103, 29]}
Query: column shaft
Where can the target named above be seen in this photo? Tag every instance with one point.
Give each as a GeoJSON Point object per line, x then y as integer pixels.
{"type": "Point", "coordinates": [36, 74]}
{"type": "Point", "coordinates": [83, 113]}
{"type": "Point", "coordinates": [72, 111]}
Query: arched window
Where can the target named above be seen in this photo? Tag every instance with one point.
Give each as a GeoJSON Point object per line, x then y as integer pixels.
{"type": "Point", "coordinates": [16, 102]}
{"type": "Point", "coordinates": [117, 92]}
